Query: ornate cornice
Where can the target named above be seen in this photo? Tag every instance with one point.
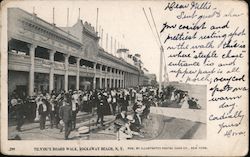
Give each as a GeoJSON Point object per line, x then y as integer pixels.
{"type": "Point", "coordinates": [87, 32]}
{"type": "Point", "coordinates": [49, 33]}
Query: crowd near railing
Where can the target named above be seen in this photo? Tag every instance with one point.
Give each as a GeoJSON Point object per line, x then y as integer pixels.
{"type": "Point", "coordinates": [99, 103]}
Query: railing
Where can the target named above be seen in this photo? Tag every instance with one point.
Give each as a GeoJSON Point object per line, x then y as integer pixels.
{"type": "Point", "coordinates": [72, 67]}
{"type": "Point", "coordinates": [59, 65]}
{"type": "Point", "coordinates": [14, 57]}
{"type": "Point", "coordinates": [90, 70]}
{"type": "Point", "coordinates": [43, 62]}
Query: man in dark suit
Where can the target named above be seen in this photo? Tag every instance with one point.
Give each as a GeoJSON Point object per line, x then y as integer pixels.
{"type": "Point", "coordinates": [65, 113]}
{"type": "Point", "coordinates": [43, 111]}
{"type": "Point", "coordinates": [19, 114]}
{"type": "Point", "coordinates": [100, 109]}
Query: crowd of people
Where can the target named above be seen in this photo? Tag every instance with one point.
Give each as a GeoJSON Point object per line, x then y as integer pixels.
{"type": "Point", "coordinates": [61, 108]}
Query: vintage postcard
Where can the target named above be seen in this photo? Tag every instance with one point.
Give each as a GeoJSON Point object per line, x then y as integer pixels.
{"type": "Point", "coordinates": [134, 78]}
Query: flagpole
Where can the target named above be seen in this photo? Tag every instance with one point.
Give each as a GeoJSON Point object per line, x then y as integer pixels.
{"type": "Point", "coordinates": [102, 38]}
{"type": "Point", "coordinates": [111, 45]}
{"type": "Point", "coordinates": [79, 12]}
{"type": "Point", "coordinates": [115, 48]}
{"type": "Point", "coordinates": [53, 16]}
{"type": "Point", "coordinates": [97, 20]}
{"type": "Point", "coordinates": [67, 17]}
{"type": "Point", "coordinates": [107, 42]}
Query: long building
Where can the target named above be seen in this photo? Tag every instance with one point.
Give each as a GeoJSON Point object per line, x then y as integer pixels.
{"type": "Point", "coordinates": [44, 57]}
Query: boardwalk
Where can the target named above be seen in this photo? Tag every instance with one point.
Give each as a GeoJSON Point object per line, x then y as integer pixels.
{"type": "Point", "coordinates": [159, 127]}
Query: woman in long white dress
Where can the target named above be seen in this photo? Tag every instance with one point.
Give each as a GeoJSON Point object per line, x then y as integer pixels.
{"type": "Point", "coordinates": [172, 96]}
{"type": "Point", "coordinates": [185, 104]}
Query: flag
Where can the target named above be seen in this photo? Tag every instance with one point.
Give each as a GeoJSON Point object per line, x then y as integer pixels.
{"type": "Point", "coordinates": [122, 50]}
{"type": "Point", "coordinates": [145, 69]}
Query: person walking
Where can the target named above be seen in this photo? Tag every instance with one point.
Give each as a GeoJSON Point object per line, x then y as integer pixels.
{"type": "Point", "coordinates": [52, 111]}
{"type": "Point", "coordinates": [19, 114]}
{"type": "Point", "coordinates": [43, 111]}
{"type": "Point", "coordinates": [75, 108]}
{"type": "Point", "coordinates": [65, 113]}
{"type": "Point", "coordinates": [100, 109]}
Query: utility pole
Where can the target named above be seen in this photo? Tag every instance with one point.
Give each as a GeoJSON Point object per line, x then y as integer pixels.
{"type": "Point", "coordinates": [160, 74]}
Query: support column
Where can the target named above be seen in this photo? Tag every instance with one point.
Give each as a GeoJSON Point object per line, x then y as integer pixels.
{"type": "Point", "coordinates": [124, 79]}
{"type": "Point", "coordinates": [110, 80]}
{"type": "Point", "coordinates": [100, 79]}
{"type": "Point", "coordinates": [106, 78]}
{"type": "Point", "coordinates": [100, 82]}
{"type": "Point", "coordinates": [114, 85]}
{"type": "Point", "coordinates": [133, 80]}
{"type": "Point", "coordinates": [78, 73]}
{"type": "Point", "coordinates": [52, 68]}
{"type": "Point", "coordinates": [66, 76]}
{"type": "Point", "coordinates": [130, 80]}
{"type": "Point", "coordinates": [116, 76]}
{"type": "Point", "coordinates": [32, 68]}
{"type": "Point", "coordinates": [32, 49]}
{"type": "Point", "coordinates": [94, 79]}
{"type": "Point", "coordinates": [127, 78]}
{"type": "Point", "coordinates": [117, 83]}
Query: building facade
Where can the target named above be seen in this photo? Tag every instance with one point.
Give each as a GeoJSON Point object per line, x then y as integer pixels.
{"type": "Point", "coordinates": [44, 57]}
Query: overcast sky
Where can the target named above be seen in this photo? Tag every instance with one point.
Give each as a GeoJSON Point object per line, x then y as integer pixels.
{"type": "Point", "coordinates": [116, 18]}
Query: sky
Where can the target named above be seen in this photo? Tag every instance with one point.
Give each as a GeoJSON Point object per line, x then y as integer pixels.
{"type": "Point", "coordinates": [123, 20]}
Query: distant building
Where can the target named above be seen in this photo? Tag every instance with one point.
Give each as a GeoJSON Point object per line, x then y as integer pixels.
{"type": "Point", "coordinates": [144, 80]}
{"type": "Point", "coordinates": [151, 79]}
